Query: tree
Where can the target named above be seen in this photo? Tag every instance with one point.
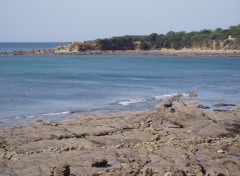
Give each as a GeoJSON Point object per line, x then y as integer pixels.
{"type": "Point", "coordinates": [143, 46]}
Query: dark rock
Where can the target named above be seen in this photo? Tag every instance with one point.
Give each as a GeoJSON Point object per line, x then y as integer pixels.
{"type": "Point", "coordinates": [39, 120]}
{"type": "Point", "coordinates": [62, 170]}
{"type": "Point", "coordinates": [220, 110]}
{"type": "Point", "coordinates": [209, 140]}
{"type": "Point", "coordinates": [167, 103]}
{"type": "Point", "coordinates": [222, 105]}
{"type": "Point", "coordinates": [156, 137]}
{"type": "Point", "coordinates": [192, 94]}
{"type": "Point", "coordinates": [99, 162]}
{"type": "Point", "coordinates": [203, 107]}
{"type": "Point", "coordinates": [101, 133]}
{"type": "Point", "coordinates": [176, 173]}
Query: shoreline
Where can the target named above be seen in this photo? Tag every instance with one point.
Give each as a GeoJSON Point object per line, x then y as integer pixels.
{"type": "Point", "coordinates": [162, 52]}
{"type": "Point", "coordinates": [178, 137]}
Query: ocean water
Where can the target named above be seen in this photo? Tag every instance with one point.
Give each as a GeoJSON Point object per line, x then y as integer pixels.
{"type": "Point", "coordinates": [22, 46]}
{"type": "Point", "coordinates": [58, 87]}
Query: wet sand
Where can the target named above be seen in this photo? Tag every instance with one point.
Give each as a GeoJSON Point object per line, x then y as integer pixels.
{"type": "Point", "coordinates": [178, 138]}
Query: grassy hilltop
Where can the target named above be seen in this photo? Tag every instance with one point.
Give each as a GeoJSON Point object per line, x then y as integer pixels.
{"type": "Point", "coordinates": [227, 39]}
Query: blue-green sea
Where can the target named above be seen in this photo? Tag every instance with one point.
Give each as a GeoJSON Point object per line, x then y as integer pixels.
{"type": "Point", "coordinates": [23, 46]}
{"type": "Point", "coordinates": [58, 87]}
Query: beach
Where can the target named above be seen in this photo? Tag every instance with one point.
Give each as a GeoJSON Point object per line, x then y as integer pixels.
{"type": "Point", "coordinates": [178, 137]}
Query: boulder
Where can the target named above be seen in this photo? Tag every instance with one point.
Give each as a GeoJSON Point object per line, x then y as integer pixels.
{"type": "Point", "coordinates": [167, 103]}
{"type": "Point", "coordinates": [192, 94]}
{"type": "Point", "coordinates": [222, 105]}
{"type": "Point", "coordinates": [102, 162]}
{"type": "Point", "coordinates": [220, 110]}
{"type": "Point", "coordinates": [156, 137]}
{"type": "Point", "coordinates": [203, 107]}
{"type": "Point", "coordinates": [62, 170]}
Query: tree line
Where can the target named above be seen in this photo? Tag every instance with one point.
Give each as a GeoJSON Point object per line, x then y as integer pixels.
{"type": "Point", "coordinates": [210, 39]}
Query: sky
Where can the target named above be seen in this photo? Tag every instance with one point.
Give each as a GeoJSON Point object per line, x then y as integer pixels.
{"type": "Point", "coordinates": [79, 20]}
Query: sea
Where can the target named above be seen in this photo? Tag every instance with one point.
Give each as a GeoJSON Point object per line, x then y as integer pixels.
{"type": "Point", "coordinates": [53, 88]}
{"type": "Point", "coordinates": [24, 46]}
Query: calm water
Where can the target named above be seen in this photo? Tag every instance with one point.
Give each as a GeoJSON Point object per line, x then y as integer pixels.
{"type": "Point", "coordinates": [49, 87]}
{"type": "Point", "coordinates": [17, 46]}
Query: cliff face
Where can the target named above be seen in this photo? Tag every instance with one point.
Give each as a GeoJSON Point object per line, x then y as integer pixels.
{"type": "Point", "coordinates": [78, 47]}
{"type": "Point", "coordinates": [228, 44]}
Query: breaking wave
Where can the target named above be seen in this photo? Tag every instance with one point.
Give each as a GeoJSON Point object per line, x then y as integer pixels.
{"type": "Point", "coordinates": [143, 100]}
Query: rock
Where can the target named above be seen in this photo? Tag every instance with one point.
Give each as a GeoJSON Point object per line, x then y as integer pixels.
{"type": "Point", "coordinates": [192, 94]}
{"type": "Point", "coordinates": [147, 172]}
{"type": "Point", "coordinates": [9, 155]}
{"type": "Point", "coordinates": [101, 133]}
{"type": "Point", "coordinates": [156, 137]}
{"type": "Point", "coordinates": [168, 174]}
{"type": "Point", "coordinates": [168, 102]}
{"type": "Point", "coordinates": [222, 105]}
{"type": "Point", "coordinates": [99, 162]}
{"type": "Point", "coordinates": [208, 140]}
{"type": "Point", "coordinates": [175, 173]}
{"type": "Point", "coordinates": [215, 173]}
{"type": "Point", "coordinates": [38, 120]}
{"type": "Point", "coordinates": [165, 104]}
{"type": "Point", "coordinates": [220, 110]}
{"type": "Point", "coordinates": [220, 151]}
{"type": "Point", "coordinates": [62, 170]}
{"type": "Point", "coordinates": [203, 107]}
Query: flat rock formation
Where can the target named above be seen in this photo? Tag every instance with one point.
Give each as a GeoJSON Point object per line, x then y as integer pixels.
{"type": "Point", "coordinates": [180, 139]}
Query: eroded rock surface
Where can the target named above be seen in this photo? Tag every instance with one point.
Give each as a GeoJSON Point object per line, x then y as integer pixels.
{"type": "Point", "coordinates": [177, 140]}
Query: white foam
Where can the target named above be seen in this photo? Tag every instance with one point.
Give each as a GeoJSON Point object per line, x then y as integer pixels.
{"type": "Point", "coordinates": [160, 97]}
{"type": "Point", "coordinates": [55, 113]}
{"type": "Point", "coordinates": [132, 101]}
{"type": "Point", "coordinates": [45, 114]}
{"type": "Point", "coordinates": [185, 94]}
{"type": "Point", "coordinates": [31, 117]}
{"type": "Point", "coordinates": [142, 100]}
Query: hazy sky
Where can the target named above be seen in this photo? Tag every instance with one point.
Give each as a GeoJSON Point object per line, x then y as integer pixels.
{"type": "Point", "coordinates": [78, 20]}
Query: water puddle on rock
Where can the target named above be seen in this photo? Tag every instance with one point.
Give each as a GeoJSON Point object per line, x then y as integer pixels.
{"type": "Point", "coordinates": [234, 156]}
{"type": "Point", "coordinates": [8, 171]}
{"type": "Point", "coordinates": [228, 122]}
{"type": "Point", "coordinates": [164, 126]}
{"type": "Point", "coordinates": [115, 164]}
{"type": "Point", "coordinates": [199, 158]}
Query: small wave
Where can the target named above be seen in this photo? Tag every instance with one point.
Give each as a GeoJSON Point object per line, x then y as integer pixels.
{"type": "Point", "coordinates": [132, 101]}
{"type": "Point", "coordinates": [143, 100]}
{"type": "Point", "coordinates": [80, 111]}
{"type": "Point", "coordinates": [55, 113]}
{"type": "Point", "coordinates": [40, 115]}
{"type": "Point", "coordinates": [160, 97]}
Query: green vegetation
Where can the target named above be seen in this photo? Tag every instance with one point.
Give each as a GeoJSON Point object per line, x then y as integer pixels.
{"type": "Point", "coordinates": [204, 39]}
{"type": "Point", "coordinates": [116, 43]}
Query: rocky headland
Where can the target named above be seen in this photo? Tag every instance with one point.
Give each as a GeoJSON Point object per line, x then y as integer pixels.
{"type": "Point", "coordinates": [66, 50]}
{"type": "Point", "coordinates": [178, 138]}
{"type": "Point", "coordinates": [218, 42]}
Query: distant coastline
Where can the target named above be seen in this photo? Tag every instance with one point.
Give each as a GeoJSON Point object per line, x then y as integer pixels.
{"type": "Point", "coordinates": [219, 42]}
{"type": "Point", "coordinates": [160, 52]}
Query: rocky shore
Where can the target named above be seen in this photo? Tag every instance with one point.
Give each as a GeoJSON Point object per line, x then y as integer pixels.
{"type": "Point", "coordinates": [176, 139]}
{"type": "Point", "coordinates": [161, 52]}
